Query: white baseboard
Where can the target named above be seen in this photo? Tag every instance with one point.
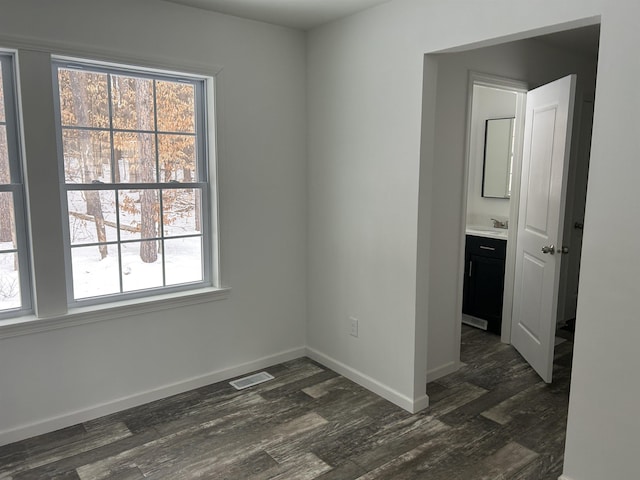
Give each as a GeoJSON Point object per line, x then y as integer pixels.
{"type": "Point", "coordinates": [386, 392]}
{"type": "Point", "coordinates": [443, 370]}
{"type": "Point", "coordinates": [72, 418]}
{"type": "Point", "coordinates": [564, 477]}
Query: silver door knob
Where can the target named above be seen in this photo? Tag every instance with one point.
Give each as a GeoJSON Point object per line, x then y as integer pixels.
{"type": "Point", "coordinates": [550, 249]}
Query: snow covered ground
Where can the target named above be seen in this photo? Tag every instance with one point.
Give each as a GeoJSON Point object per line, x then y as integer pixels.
{"type": "Point", "coordinates": [180, 257]}
{"type": "Point", "coordinates": [93, 276]}
{"type": "Point", "coordinates": [9, 280]}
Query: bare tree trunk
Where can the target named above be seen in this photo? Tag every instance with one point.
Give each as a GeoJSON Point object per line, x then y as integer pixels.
{"type": "Point", "coordinates": [94, 208]}
{"type": "Point", "coordinates": [90, 167]}
{"type": "Point", "coordinates": [148, 198]}
{"type": "Point", "coordinates": [7, 212]}
{"type": "Point", "coordinates": [198, 202]}
{"type": "Point", "coordinates": [6, 203]}
{"type": "Point", "coordinates": [6, 217]}
{"type": "Point", "coordinates": [117, 153]}
{"type": "Point", "coordinates": [148, 250]}
{"type": "Point", "coordinates": [14, 239]}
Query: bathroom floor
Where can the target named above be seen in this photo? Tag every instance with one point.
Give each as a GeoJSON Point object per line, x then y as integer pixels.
{"type": "Point", "coordinates": [493, 419]}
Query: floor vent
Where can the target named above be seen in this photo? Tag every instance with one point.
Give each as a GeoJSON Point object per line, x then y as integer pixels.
{"type": "Point", "coordinates": [251, 380]}
{"type": "Point", "coordinates": [474, 322]}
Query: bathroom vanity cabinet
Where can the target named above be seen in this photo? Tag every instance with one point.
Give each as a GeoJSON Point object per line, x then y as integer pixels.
{"type": "Point", "coordinates": [484, 280]}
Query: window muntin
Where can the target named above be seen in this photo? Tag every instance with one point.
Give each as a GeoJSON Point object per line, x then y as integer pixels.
{"type": "Point", "coordinates": [15, 291]}
{"type": "Point", "coordinates": [133, 160]}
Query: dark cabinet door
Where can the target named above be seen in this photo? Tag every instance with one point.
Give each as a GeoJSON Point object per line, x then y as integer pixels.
{"type": "Point", "coordinates": [484, 282]}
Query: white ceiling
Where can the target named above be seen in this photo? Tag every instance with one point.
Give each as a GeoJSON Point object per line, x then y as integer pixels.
{"type": "Point", "coordinates": [302, 14]}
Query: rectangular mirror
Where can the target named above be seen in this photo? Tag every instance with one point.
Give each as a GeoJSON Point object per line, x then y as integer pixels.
{"type": "Point", "coordinates": [498, 156]}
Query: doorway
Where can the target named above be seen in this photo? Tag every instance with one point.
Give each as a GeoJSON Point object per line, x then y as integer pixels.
{"type": "Point", "coordinates": [494, 145]}
{"type": "Point", "coordinates": [534, 61]}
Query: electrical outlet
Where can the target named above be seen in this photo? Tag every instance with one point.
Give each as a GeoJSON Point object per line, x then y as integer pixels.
{"type": "Point", "coordinates": [354, 326]}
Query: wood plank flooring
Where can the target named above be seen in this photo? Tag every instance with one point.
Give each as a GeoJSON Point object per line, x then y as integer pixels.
{"type": "Point", "coordinates": [491, 420]}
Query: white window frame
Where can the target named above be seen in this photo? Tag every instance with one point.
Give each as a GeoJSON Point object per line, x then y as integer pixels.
{"type": "Point", "coordinates": [8, 65]}
{"type": "Point", "coordinates": [206, 181]}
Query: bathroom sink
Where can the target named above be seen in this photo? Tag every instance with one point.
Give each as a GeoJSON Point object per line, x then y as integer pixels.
{"type": "Point", "coordinates": [482, 228]}
{"type": "Point", "coordinates": [484, 231]}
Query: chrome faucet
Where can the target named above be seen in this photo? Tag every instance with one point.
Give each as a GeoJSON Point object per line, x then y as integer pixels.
{"type": "Point", "coordinates": [500, 224]}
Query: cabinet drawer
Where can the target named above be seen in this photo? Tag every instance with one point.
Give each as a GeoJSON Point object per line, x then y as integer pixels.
{"type": "Point", "coordinates": [486, 247]}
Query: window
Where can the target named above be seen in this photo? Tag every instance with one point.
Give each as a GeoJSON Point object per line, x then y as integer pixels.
{"type": "Point", "coordinates": [133, 167]}
{"type": "Point", "coordinates": [15, 295]}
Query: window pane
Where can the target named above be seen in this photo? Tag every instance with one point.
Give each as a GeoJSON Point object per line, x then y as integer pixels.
{"type": "Point", "coordinates": [2, 117]}
{"type": "Point", "coordinates": [132, 103]}
{"type": "Point", "coordinates": [183, 260]}
{"type": "Point", "coordinates": [136, 157]}
{"type": "Point", "coordinates": [87, 156]}
{"type": "Point", "coordinates": [92, 216]}
{"type": "Point", "coordinates": [176, 107]}
{"type": "Point", "coordinates": [7, 222]}
{"type": "Point", "coordinates": [139, 212]}
{"type": "Point", "coordinates": [181, 212]}
{"type": "Point", "coordinates": [141, 266]}
{"type": "Point", "coordinates": [93, 275]}
{"type": "Point", "coordinates": [83, 98]}
{"type": "Point", "coordinates": [177, 156]}
{"type": "Point", "coordinates": [9, 281]}
{"type": "Point", "coordinates": [5, 173]}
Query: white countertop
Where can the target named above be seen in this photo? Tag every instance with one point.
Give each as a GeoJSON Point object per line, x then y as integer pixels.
{"type": "Point", "coordinates": [489, 232]}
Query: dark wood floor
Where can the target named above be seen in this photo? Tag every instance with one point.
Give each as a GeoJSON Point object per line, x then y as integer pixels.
{"type": "Point", "coordinates": [491, 420]}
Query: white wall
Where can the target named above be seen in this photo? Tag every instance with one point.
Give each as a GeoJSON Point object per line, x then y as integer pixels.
{"type": "Point", "coordinates": [365, 90]}
{"type": "Point", "coordinates": [51, 379]}
{"type": "Point", "coordinates": [364, 144]}
{"type": "Point", "coordinates": [487, 103]}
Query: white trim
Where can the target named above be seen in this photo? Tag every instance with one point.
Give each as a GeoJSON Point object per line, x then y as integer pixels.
{"type": "Point", "coordinates": [443, 370]}
{"type": "Point", "coordinates": [564, 477]}
{"type": "Point", "coordinates": [72, 418]}
{"type": "Point", "coordinates": [496, 81]}
{"type": "Point", "coordinates": [514, 208]}
{"type": "Point", "coordinates": [109, 311]}
{"type": "Point", "coordinates": [386, 392]}
{"type": "Point", "coordinates": [420, 403]}
{"type": "Point", "coordinates": [520, 88]}
{"type": "Point", "coordinates": [213, 118]}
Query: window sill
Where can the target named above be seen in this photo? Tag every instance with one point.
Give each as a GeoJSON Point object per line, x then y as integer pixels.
{"type": "Point", "coordinates": [26, 325]}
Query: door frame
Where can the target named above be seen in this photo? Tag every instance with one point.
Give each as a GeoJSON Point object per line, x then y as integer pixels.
{"type": "Point", "coordinates": [520, 88]}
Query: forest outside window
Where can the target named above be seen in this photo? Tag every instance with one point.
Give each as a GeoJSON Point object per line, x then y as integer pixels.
{"type": "Point", "coordinates": [15, 294]}
{"type": "Point", "coordinates": [133, 152]}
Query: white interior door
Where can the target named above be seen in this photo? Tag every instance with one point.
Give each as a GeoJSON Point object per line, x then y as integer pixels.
{"type": "Point", "coordinates": [545, 161]}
